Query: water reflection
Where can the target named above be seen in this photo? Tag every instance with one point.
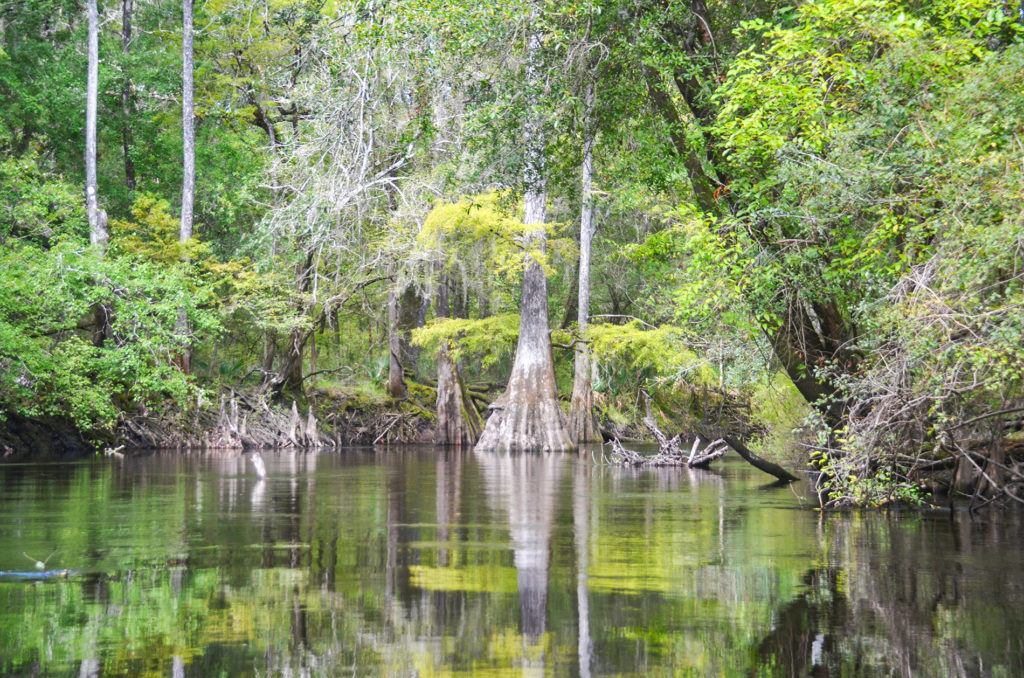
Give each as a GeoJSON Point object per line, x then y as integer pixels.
{"type": "Point", "coordinates": [426, 562]}
{"type": "Point", "coordinates": [524, 487]}
{"type": "Point", "coordinates": [581, 536]}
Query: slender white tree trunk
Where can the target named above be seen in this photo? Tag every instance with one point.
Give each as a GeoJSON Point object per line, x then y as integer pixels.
{"type": "Point", "coordinates": [97, 219]}
{"type": "Point", "coordinates": [188, 123]}
{"type": "Point", "coordinates": [527, 416]}
{"type": "Point", "coordinates": [188, 180]}
{"type": "Point", "coordinates": [582, 424]}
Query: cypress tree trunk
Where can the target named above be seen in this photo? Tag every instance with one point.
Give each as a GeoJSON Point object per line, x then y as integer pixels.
{"type": "Point", "coordinates": [527, 416]}
{"type": "Point", "coordinates": [412, 313]}
{"type": "Point", "coordinates": [582, 424]}
{"type": "Point", "coordinates": [458, 422]}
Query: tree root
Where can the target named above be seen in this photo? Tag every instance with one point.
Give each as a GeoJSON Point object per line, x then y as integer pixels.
{"type": "Point", "coordinates": [252, 422]}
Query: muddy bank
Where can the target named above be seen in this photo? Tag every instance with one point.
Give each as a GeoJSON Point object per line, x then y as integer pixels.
{"type": "Point", "coordinates": [41, 438]}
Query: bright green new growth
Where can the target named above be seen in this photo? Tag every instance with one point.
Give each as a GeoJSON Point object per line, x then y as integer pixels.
{"type": "Point", "coordinates": [662, 351]}
{"type": "Point", "coordinates": [484, 341]}
{"type": "Point", "coordinates": [488, 229]}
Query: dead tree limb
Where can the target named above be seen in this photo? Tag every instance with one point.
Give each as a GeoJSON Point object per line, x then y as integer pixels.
{"type": "Point", "coordinates": [759, 463]}
{"type": "Point", "coordinates": [665, 444]}
{"type": "Point", "coordinates": [713, 451]}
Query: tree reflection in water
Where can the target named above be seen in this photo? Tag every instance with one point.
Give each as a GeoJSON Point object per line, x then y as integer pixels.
{"type": "Point", "coordinates": [438, 562]}
{"type": "Point", "coordinates": [525, 486]}
{"type": "Point", "coordinates": [903, 596]}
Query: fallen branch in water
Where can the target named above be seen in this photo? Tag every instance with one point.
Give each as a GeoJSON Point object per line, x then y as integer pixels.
{"type": "Point", "coordinates": [713, 451]}
{"type": "Point", "coordinates": [671, 455]}
{"type": "Point", "coordinates": [623, 457]}
{"type": "Point", "coordinates": [759, 463]}
{"type": "Point", "coordinates": [666, 445]}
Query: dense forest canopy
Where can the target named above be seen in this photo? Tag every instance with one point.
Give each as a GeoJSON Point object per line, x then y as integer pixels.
{"type": "Point", "coordinates": [810, 210]}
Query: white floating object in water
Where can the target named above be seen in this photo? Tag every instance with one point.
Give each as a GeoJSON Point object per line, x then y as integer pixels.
{"type": "Point", "coordinates": [40, 564]}
{"type": "Point", "coordinates": [261, 470]}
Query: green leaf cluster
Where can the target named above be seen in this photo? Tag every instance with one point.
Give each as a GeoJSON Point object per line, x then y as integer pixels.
{"type": "Point", "coordinates": [482, 340]}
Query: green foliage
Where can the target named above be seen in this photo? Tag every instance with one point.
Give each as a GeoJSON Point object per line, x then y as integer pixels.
{"type": "Point", "coordinates": [777, 406]}
{"type": "Point", "coordinates": [484, 229]}
{"type": "Point", "coordinates": [36, 205]}
{"type": "Point", "coordinates": [153, 235]}
{"type": "Point", "coordinates": [50, 365]}
{"type": "Point", "coordinates": [798, 85]}
{"type": "Point", "coordinates": [824, 126]}
{"type": "Point", "coordinates": [661, 350]}
{"type": "Point", "coordinates": [266, 300]}
{"type": "Point", "coordinates": [845, 482]}
{"type": "Point", "coordinates": [486, 340]}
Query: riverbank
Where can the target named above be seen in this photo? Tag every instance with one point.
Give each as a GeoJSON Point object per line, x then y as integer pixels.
{"type": "Point", "coordinates": [240, 420]}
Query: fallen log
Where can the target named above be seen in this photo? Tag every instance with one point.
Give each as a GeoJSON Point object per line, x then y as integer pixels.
{"type": "Point", "coordinates": [671, 455]}
{"type": "Point", "coordinates": [623, 457]}
{"type": "Point", "coordinates": [759, 463]}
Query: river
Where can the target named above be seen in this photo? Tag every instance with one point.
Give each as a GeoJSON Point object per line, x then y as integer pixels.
{"type": "Point", "coordinates": [424, 562]}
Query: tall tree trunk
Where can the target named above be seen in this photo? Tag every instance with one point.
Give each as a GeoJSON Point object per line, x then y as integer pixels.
{"type": "Point", "coordinates": [412, 313]}
{"type": "Point", "coordinates": [101, 313]}
{"type": "Point", "coordinates": [189, 159]}
{"type": "Point", "coordinates": [395, 385]}
{"type": "Point", "coordinates": [458, 422]}
{"type": "Point", "coordinates": [572, 299]}
{"type": "Point", "coordinates": [527, 416]}
{"type": "Point", "coordinates": [188, 181]}
{"type": "Point", "coordinates": [582, 423]}
{"type": "Point", "coordinates": [127, 102]}
{"type": "Point", "coordinates": [97, 219]}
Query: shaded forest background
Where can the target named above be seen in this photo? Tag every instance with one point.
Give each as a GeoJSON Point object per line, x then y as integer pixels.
{"type": "Point", "coordinates": [806, 219]}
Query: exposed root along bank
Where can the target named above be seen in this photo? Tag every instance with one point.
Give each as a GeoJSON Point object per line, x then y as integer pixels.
{"type": "Point", "coordinates": [243, 422]}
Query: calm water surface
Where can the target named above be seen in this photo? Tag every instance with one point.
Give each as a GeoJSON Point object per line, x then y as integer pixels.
{"type": "Point", "coordinates": [421, 562]}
